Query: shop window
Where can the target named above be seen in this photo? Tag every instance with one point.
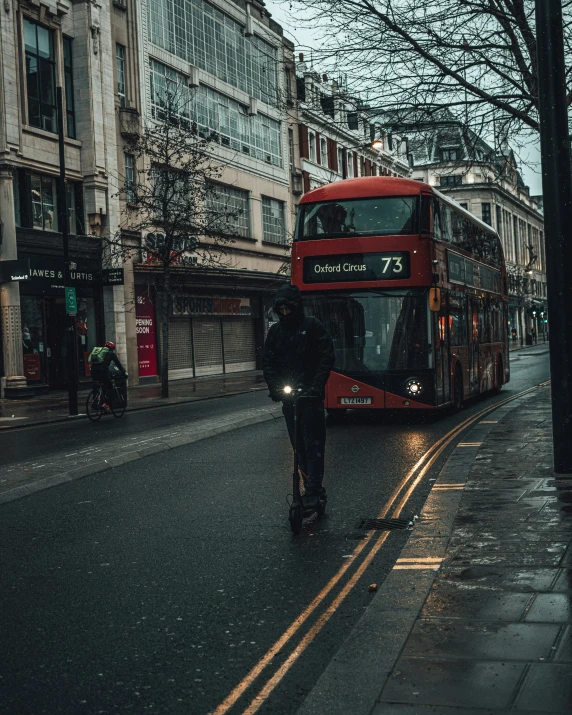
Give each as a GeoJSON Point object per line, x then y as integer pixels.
{"type": "Point", "coordinates": [40, 76]}
{"type": "Point", "coordinates": [273, 224]}
{"type": "Point", "coordinates": [120, 69]}
{"type": "Point", "coordinates": [68, 74]}
{"type": "Point", "coordinates": [44, 202]}
{"type": "Point", "coordinates": [36, 206]}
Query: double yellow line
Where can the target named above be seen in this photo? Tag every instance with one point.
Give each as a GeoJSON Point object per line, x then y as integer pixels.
{"type": "Point", "coordinates": [396, 502]}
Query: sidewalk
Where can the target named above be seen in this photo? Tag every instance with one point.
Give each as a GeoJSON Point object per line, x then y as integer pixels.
{"type": "Point", "coordinates": [477, 618]}
{"type": "Point", "coordinates": [54, 406]}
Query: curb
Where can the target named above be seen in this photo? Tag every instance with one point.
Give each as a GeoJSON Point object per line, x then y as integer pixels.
{"type": "Point", "coordinates": [367, 656]}
{"type": "Point", "coordinates": [182, 401]}
{"type": "Point", "coordinates": [11, 495]}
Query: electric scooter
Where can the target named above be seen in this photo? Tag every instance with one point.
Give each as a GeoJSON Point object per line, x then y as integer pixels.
{"type": "Point", "coordinates": [297, 511]}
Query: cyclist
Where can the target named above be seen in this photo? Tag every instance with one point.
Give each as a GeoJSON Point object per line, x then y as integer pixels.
{"type": "Point", "coordinates": [299, 353]}
{"type": "Point", "coordinates": [100, 360]}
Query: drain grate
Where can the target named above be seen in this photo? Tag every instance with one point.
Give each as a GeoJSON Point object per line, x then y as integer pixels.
{"type": "Point", "coordinates": [385, 524]}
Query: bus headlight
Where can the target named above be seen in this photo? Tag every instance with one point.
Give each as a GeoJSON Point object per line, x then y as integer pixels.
{"type": "Point", "coordinates": [413, 387]}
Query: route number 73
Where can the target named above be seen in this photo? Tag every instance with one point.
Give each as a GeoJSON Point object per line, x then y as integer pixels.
{"type": "Point", "coordinates": [397, 265]}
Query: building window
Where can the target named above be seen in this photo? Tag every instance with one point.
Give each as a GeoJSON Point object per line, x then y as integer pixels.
{"type": "Point", "coordinates": [44, 202]}
{"type": "Point", "coordinates": [456, 180]}
{"type": "Point", "coordinates": [120, 69]}
{"type": "Point", "coordinates": [68, 74]}
{"type": "Point", "coordinates": [324, 151]}
{"type": "Point", "coordinates": [311, 146]}
{"type": "Point", "coordinates": [350, 157]}
{"type": "Point", "coordinates": [486, 213]}
{"type": "Point", "coordinates": [216, 115]}
{"type": "Point", "coordinates": [515, 238]}
{"type": "Point", "coordinates": [202, 35]}
{"type": "Point", "coordinates": [40, 76]}
{"type": "Point", "coordinates": [499, 221]}
{"type": "Point", "coordinates": [450, 154]}
{"type": "Point", "coordinates": [291, 150]}
{"type": "Point", "coordinates": [130, 182]}
{"type": "Point", "coordinates": [464, 206]}
{"type": "Point", "coordinates": [340, 161]}
{"type": "Point", "coordinates": [228, 210]}
{"type": "Point", "coordinates": [273, 225]}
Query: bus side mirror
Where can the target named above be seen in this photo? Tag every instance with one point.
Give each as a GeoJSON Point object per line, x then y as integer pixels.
{"type": "Point", "coordinates": [435, 300]}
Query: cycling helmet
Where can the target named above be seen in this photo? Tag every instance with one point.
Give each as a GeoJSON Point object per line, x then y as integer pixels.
{"type": "Point", "coordinates": [109, 345]}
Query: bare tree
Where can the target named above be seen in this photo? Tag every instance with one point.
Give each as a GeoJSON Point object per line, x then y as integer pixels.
{"type": "Point", "coordinates": [417, 57]}
{"type": "Point", "coordinates": [173, 205]}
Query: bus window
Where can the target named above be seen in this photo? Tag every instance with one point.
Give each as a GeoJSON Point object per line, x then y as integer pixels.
{"type": "Point", "coordinates": [384, 216]}
{"type": "Point", "coordinates": [375, 331]}
{"type": "Point", "coordinates": [458, 319]}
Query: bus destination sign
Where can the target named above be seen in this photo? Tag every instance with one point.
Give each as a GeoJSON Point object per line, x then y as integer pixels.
{"type": "Point", "coordinates": [354, 267]}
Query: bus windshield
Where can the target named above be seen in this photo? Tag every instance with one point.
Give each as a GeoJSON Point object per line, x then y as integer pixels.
{"type": "Point", "coordinates": [386, 216]}
{"type": "Point", "coordinates": [375, 331]}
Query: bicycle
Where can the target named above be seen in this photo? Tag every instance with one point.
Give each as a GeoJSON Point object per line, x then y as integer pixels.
{"type": "Point", "coordinates": [99, 396]}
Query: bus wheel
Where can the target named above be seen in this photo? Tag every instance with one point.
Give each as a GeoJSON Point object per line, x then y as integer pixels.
{"type": "Point", "coordinates": [458, 390]}
{"type": "Point", "coordinates": [499, 378]}
{"type": "Point", "coordinates": [337, 415]}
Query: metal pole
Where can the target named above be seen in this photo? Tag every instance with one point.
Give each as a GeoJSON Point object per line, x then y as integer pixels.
{"type": "Point", "coordinates": [71, 347]}
{"type": "Point", "coordinates": [557, 191]}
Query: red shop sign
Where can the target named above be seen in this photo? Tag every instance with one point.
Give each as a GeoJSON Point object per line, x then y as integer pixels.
{"type": "Point", "coordinates": [32, 367]}
{"type": "Point", "coordinates": [146, 340]}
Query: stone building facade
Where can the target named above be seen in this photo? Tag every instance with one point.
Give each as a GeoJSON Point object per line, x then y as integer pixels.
{"type": "Point", "coordinates": [338, 136]}
{"type": "Point", "coordinates": [43, 46]}
{"type": "Point", "coordinates": [488, 184]}
{"type": "Point", "coordinates": [239, 68]}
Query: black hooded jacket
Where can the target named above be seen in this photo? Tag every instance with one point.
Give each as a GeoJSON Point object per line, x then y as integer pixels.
{"type": "Point", "coordinates": [298, 350]}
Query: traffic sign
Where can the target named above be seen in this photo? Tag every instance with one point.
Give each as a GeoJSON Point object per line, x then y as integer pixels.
{"type": "Point", "coordinates": [71, 301]}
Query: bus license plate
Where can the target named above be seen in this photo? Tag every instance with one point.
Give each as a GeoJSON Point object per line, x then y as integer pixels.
{"type": "Point", "coordinates": [356, 400]}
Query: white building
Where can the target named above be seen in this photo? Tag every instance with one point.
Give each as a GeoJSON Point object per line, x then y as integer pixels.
{"type": "Point", "coordinates": [235, 61]}
{"type": "Point", "coordinates": [43, 46]}
{"type": "Point", "coordinates": [337, 136]}
{"type": "Point", "coordinates": [489, 185]}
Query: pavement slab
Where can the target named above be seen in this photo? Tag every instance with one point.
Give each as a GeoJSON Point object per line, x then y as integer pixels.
{"type": "Point", "coordinates": [492, 632]}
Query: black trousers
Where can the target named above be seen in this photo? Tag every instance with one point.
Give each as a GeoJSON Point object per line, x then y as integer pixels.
{"type": "Point", "coordinates": [311, 437]}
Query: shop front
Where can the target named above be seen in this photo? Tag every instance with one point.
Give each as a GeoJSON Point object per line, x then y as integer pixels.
{"type": "Point", "coordinates": [47, 332]}
{"type": "Point", "coordinates": [208, 334]}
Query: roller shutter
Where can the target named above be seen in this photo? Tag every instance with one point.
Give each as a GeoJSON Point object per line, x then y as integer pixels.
{"type": "Point", "coordinates": [180, 349]}
{"type": "Point", "coordinates": [208, 347]}
{"type": "Point", "coordinates": [239, 348]}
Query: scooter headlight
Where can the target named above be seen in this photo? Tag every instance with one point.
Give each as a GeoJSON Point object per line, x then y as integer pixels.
{"type": "Point", "coordinates": [413, 387]}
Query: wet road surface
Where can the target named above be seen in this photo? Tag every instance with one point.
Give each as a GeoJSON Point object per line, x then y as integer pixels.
{"type": "Point", "coordinates": [156, 587]}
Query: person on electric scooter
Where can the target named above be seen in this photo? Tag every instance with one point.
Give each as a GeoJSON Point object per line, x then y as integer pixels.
{"type": "Point", "coordinates": [100, 361]}
{"type": "Point", "coordinates": [299, 353]}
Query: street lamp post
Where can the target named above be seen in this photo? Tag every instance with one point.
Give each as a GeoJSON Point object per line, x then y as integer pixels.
{"type": "Point", "coordinates": [71, 347]}
{"type": "Point", "coordinates": [557, 191]}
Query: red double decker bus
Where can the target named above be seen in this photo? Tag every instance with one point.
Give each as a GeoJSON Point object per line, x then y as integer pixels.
{"type": "Point", "coordinates": [411, 288]}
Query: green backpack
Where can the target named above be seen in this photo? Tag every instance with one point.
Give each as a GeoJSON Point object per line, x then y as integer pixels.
{"type": "Point", "coordinates": [97, 356]}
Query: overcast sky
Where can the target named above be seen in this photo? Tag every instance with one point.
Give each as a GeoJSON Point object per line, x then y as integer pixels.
{"type": "Point", "coordinates": [303, 39]}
